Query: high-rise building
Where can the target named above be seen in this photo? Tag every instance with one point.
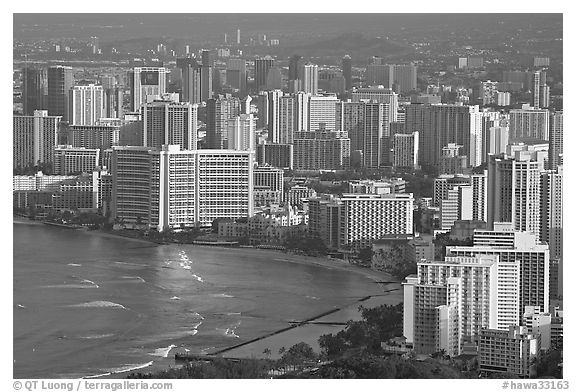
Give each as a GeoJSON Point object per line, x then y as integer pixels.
{"type": "Point", "coordinates": [399, 77]}
{"type": "Point", "coordinates": [536, 90]}
{"type": "Point", "coordinates": [379, 94]}
{"type": "Point", "coordinates": [241, 133]}
{"type": "Point", "coordinates": [145, 82]}
{"type": "Point", "coordinates": [73, 160]}
{"type": "Point", "coordinates": [236, 74]}
{"type": "Point", "coordinates": [511, 247]}
{"type": "Point", "coordinates": [405, 151]}
{"type": "Point", "coordinates": [309, 77]}
{"type": "Point", "coordinates": [321, 150]}
{"type": "Point", "coordinates": [442, 124]}
{"type": "Point", "coordinates": [220, 110]}
{"type": "Point", "coordinates": [529, 123]}
{"type": "Point", "coordinates": [131, 173]}
{"type": "Point", "coordinates": [451, 162]}
{"type": "Point", "coordinates": [208, 58]}
{"type": "Point", "coordinates": [551, 211]}
{"type": "Point", "coordinates": [350, 116]}
{"type": "Point", "coordinates": [60, 81]}
{"type": "Point", "coordinates": [556, 140]}
{"type": "Point", "coordinates": [324, 218]}
{"type": "Point", "coordinates": [206, 82]}
{"type": "Point", "coordinates": [225, 185]}
{"type": "Point", "coordinates": [94, 136]}
{"type": "Point", "coordinates": [294, 68]}
{"type": "Point", "coordinates": [86, 104]}
{"type": "Point", "coordinates": [347, 71]}
{"type": "Point", "coordinates": [403, 78]}
{"type": "Point", "coordinates": [376, 135]}
{"type": "Point", "coordinates": [276, 155]}
{"type": "Point", "coordinates": [170, 123]}
{"type": "Point", "coordinates": [34, 90]}
{"type": "Point", "coordinates": [191, 84]}
{"type": "Point", "coordinates": [322, 113]}
{"type": "Point", "coordinates": [514, 193]}
{"type": "Point", "coordinates": [287, 119]}
{"type": "Point", "coordinates": [35, 138]}
{"type": "Point", "coordinates": [261, 67]}
{"type": "Point", "coordinates": [274, 79]}
{"type": "Point", "coordinates": [444, 182]}
{"type": "Point", "coordinates": [448, 302]}
{"type": "Point", "coordinates": [113, 97]}
{"type": "Point", "coordinates": [366, 217]}
{"type": "Point", "coordinates": [173, 188]}
{"type": "Point", "coordinates": [270, 181]}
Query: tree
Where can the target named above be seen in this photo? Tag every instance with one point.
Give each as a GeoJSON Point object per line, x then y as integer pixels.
{"type": "Point", "coordinates": [365, 254]}
{"type": "Point", "coordinates": [298, 353]}
{"type": "Point", "coordinates": [267, 352]}
{"type": "Point", "coordinates": [331, 346]}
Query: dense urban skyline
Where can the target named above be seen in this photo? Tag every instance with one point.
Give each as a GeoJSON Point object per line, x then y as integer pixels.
{"type": "Point", "coordinates": [426, 149]}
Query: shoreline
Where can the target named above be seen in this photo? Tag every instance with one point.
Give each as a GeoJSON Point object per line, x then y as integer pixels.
{"type": "Point", "coordinates": [324, 262]}
{"type": "Point", "coordinates": [383, 280]}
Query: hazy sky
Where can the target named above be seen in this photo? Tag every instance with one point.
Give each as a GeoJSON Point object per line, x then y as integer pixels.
{"type": "Point", "coordinates": [123, 26]}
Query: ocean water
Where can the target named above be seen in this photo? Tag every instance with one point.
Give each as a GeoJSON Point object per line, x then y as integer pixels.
{"type": "Point", "coordinates": [87, 305]}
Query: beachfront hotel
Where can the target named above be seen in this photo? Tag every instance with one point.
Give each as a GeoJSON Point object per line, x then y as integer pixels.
{"type": "Point", "coordinates": [173, 188]}
{"type": "Point", "coordinates": [35, 138]}
{"type": "Point", "coordinates": [368, 217]}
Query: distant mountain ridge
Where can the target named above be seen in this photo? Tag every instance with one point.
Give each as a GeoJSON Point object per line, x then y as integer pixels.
{"type": "Point", "coordinates": [354, 44]}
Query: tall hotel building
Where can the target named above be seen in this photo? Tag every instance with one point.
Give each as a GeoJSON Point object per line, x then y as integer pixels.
{"type": "Point", "coordinates": [144, 82]}
{"type": "Point", "coordinates": [511, 247]}
{"type": "Point", "coordinates": [170, 123]}
{"type": "Point", "coordinates": [174, 188]}
{"type": "Point", "coordinates": [366, 217]}
{"type": "Point", "coordinates": [60, 81]}
{"type": "Point", "coordinates": [448, 302]}
{"type": "Point", "coordinates": [94, 136]}
{"type": "Point", "coordinates": [35, 138]}
{"type": "Point", "coordinates": [131, 172]}
{"type": "Point", "coordinates": [225, 185]}
{"type": "Point", "coordinates": [86, 104]}
{"type": "Point", "coordinates": [73, 160]}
